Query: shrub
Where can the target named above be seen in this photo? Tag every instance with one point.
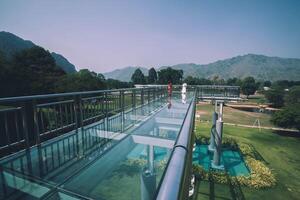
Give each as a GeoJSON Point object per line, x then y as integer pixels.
{"type": "Point", "coordinates": [229, 142]}
{"type": "Point", "coordinates": [218, 176]}
{"type": "Point", "coordinates": [199, 172]}
{"type": "Point", "coordinates": [247, 150]}
{"type": "Point", "coordinates": [260, 177]}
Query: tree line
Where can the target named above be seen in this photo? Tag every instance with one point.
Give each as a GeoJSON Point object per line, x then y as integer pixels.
{"type": "Point", "coordinates": [286, 96]}
{"type": "Point", "coordinates": [34, 71]}
{"type": "Point", "coordinates": [163, 76]}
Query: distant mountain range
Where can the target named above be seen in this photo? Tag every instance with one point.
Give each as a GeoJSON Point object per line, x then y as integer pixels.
{"type": "Point", "coordinates": [259, 66]}
{"type": "Point", "coordinates": [11, 44]}
{"type": "Point", "coordinates": [125, 73]}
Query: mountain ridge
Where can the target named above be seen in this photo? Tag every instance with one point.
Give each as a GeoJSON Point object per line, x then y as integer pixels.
{"type": "Point", "coordinates": [261, 67]}
{"type": "Point", "coordinates": [11, 44]}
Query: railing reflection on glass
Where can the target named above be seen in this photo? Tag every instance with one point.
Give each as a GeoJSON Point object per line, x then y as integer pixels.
{"type": "Point", "coordinates": [29, 120]}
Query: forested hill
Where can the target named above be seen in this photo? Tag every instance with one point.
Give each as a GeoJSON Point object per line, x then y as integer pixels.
{"type": "Point", "coordinates": [10, 44]}
{"type": "Point", "coordinates": [259, 66]}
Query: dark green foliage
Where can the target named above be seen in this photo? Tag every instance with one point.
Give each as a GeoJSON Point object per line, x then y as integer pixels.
{"type": "Point", "coordinates": [288, 117]}
{"type": "Point", "coordinates": [285, 84]}
{"type": "Point", "coordinates": [267, 84]}
{"type": "Point", "coordinates": [63, 63]}
{"type": "Point", "coordinates": [276, 97]}
{"type": "Point", "coordinates": [152, 76]}
{"type": "Point", "coordinates": [169, 74]}
{"type": "Point", "coordinates": [116, 84]}
{"type": "Point", "coordinates": [34, 71]}
{"type": "Point", "coordinates": [292, 96]}
{"type": "Point", "coordinates": [84, 80]}
{"type": "Point", "coordinates": [138, 77]}
{"type": "Point", "coordinates": [4, 75]}
{"type": "Point", "coordinates": [234, 81]}
{"type": "Point", "coordinates": [249, 86]}
{"type": "Point", "coordinates": [11, 44]}
{"type": "Point", "coordinates": [31, 71]}
{"type": "Point", "coordinates": [197, 81]}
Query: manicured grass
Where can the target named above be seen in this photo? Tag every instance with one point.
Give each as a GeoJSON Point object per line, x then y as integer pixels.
{"type": "Point", "coordinates": [279, 152]}
{"type": "Point", "coordinates": [235, 116]}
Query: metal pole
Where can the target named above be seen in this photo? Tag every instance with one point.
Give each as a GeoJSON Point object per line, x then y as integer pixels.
{"type": "Point", "coordinates": [218, 149]}
{"type": "Point", "coordinates": [212, 145]}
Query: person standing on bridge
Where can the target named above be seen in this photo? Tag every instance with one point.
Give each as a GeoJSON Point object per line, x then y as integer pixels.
{"type": "Point", "coordinates": [183, 93]}
{"type": "Point", "coordinates": [169, 88]}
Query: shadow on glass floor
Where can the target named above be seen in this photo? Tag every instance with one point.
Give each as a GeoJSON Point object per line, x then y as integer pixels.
{"type": "Point", "coordinates": [211, 190]}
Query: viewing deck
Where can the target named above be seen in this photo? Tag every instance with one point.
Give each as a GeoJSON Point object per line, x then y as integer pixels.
{"type": "Point", "coordinates": [114, 144]}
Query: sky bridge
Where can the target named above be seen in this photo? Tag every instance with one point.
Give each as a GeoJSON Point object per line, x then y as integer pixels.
{"type": "Point", "coordinates": [111, 144]}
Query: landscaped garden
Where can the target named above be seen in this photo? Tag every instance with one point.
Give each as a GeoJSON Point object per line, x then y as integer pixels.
{"type": "Point", "coordinates": [272, 158]}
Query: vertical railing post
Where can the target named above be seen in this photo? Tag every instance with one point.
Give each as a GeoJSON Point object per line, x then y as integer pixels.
{"type": "Point", "coordinates": [106, 111]}
{"type": "Point", "coordinates": [122, 97]}
{"type": "Point", "coordinates": [37, 136]}
{"type": "Point", "coordinates": [79, 118]}
{"type": "Point", "coordinates": [142, 96]}
{"type": "Point", "coordinates": [28, 123]}
{"type": "Point", "coordinates": [76, 108]}
{"type": "Point", "coordinates": [36, 123]}
{"type": "Point", "coordinates": [133, 99]}
{"type": "Point", "coordinates": [25, 126]}
{"type": "Point", "coordinates": [79, 111]}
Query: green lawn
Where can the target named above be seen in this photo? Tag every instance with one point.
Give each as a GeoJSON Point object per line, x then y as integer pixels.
{"type": "Point", "coordinates": [280, 153]}
{"type": "Point", "coordinates": [235, 116]}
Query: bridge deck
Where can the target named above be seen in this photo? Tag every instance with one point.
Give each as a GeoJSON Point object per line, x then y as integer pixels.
{"type": "Point", "coordinates": [98, 161]}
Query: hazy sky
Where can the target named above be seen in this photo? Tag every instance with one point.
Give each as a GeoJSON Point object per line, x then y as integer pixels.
{"type": "Point", "coordinates": [105, 35]}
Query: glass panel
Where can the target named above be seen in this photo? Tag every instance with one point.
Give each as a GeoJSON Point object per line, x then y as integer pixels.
{"type": "Point", "coordinates": [121, 157]}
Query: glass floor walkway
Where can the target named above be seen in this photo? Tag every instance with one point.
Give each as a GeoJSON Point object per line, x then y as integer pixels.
{"type": "Point", "coordinates": [98, 161]}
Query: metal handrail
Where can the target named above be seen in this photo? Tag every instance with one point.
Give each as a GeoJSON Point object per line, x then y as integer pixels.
{"type": "Point", "coordinates": [43, 96]}
{"type": "Point", "coordinates": [34, 119]}
{"type": "Point", "coordinates": [176, 179]}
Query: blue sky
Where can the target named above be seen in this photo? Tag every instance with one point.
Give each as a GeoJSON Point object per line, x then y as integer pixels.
{"type": "Point", "coordinates": [105, 35]}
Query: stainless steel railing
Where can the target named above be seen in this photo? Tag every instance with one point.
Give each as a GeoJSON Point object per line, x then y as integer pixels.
{"type": "Point", "coordinates": [29, 120]}
{"type": "Point", "coordinates": [176, 179]}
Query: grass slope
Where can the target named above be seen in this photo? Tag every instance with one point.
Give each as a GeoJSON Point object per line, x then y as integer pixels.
{"type": "Point", "coordinates": [279, 152]}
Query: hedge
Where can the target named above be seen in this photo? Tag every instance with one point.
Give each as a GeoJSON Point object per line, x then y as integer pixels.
{"type": "Point", "coordinates": [260, 175]}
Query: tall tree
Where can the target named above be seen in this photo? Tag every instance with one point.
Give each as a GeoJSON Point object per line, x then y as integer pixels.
{"type": "Point", "coordinates": [288, 117]}
{"type": "Point", "coordinates": [234, 81]}
{"type": "Point", "coordinates": [34, 71]}
{"type": "Point", "coordinates": [152, 75]}
{"type": "Point", "coordinates": [249, 86]}
{"type": "Point", "coordinates": [169, 74]}
{"type": "Point", "coordinates": [84, 80]}
{"type": "Point", "coordinates": [275, 97]}
{"type": "Point", "coordinates": [138, 77]}
{"type": "Point", "coordinates": [4, 77]}
{"type": "Point", "coordinates": [292, 96]}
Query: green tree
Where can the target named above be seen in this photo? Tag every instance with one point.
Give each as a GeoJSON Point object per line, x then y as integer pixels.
{"type": "Point", "coordinates": [84, 80]}
{"type": "Point", "coordinates": [33, 71]}
{"type": "Point", "coordinates": [116, 84]}
{"type": "Point", "coordinates": [4, 76]}
{"type": "Point", "coordinates": [169, 74]}
{"type": "Point", "coordinates": [292, 96]}
{"type": "Point", "coordinates": [234, 81]}
{"type": "Point", "coordinates": [152, 75]}
{"type": "Point", "coordinates": [267, 84]}
{"type": "Point", "coordinates": [249, 86]}
{"type": "Point", "coordinates": [138, 77]}
{"type": "Point", "coordinates": [288, 117]}
{"type": "Point", "coordinates": [275, 97]}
